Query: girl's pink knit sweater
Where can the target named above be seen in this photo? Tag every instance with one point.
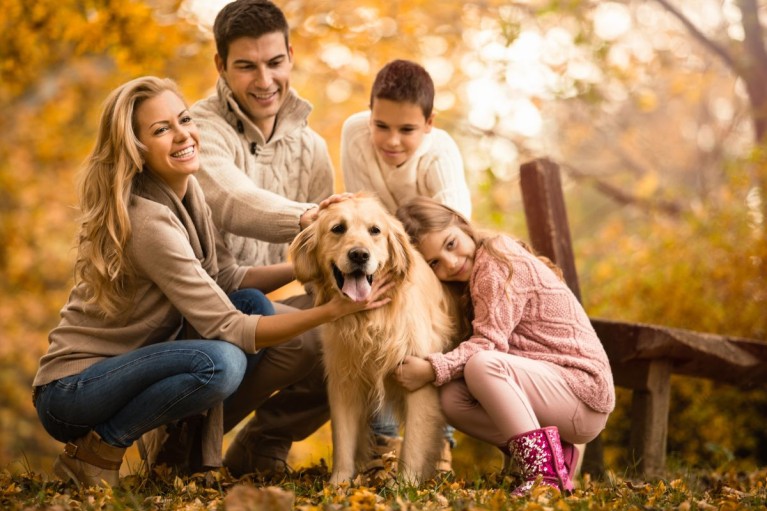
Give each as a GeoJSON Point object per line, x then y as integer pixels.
{"type": "Point", "coordinates": [534, 315]}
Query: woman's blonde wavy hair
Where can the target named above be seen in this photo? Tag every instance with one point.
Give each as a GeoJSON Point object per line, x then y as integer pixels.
{"type": "Point", "coordinates": [422, 215]}
{"type": "Point", "coordinates": [105, 185]}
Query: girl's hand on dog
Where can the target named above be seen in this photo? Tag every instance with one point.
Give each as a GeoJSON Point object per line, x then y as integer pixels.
{"type": "Point", "coordinates": [414, 373]}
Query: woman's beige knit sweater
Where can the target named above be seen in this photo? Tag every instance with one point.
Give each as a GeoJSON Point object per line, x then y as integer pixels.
{"type": "Point", "coordinates": [171, 283]}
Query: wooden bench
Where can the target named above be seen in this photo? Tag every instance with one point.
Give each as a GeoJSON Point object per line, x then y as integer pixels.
{"type": "Point", "coordinates": [643, 357]}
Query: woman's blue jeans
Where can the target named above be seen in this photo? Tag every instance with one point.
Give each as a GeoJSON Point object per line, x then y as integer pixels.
{"type": "Point", "coordinates": [125, 396]}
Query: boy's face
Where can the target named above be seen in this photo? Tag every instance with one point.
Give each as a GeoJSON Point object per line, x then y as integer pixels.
{"type": "Point", "coordinates": [258, 72]}
{"type": "Point", "coordinates": [398, 128]}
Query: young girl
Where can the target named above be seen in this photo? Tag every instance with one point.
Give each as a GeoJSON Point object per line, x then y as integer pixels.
{"type": "Point", "coordinates": [532, 369]}
{"type": "Point", "coordinates": [150, 334]}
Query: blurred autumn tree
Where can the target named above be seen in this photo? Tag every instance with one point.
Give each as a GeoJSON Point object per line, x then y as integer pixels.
{"type": "Point", "coordinates": [653, 107]}
{"type": "Point", "coordinates": [656, 110]}
{"type": "Point", "coordinates": [58, 61]}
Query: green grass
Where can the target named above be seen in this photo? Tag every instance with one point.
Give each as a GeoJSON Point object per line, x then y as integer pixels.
{"type": "Point", "coordinates": [306, 490]}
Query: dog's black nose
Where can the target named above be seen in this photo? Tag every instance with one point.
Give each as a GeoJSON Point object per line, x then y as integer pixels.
{"type": "Point", "coordinates": [359, 255]}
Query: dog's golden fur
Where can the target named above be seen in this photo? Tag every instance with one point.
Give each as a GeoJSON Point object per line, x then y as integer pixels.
{"type": "Point", "coordinates": [362, 350]}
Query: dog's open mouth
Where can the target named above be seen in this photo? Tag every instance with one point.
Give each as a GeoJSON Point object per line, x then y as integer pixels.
{"type": "Point", "coordinates": [356, 285]}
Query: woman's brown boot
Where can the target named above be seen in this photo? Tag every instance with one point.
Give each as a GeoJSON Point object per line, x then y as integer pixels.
{"type": "Point", "coordinates": [89, 461]}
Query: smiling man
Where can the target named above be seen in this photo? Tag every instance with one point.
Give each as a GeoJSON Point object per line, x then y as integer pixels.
{"type": "Point", "coordinates": [258, 73]}
{"type": "Point", "coordinates": [263, 171]}
{"type": "Point", "coordinates": [263, 168]}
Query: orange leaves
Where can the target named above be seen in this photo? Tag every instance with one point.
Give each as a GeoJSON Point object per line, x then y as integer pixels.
{"type": "Point", "coordinates": [270, 498]}
{"type": "Point", "coordinates": [47, 36]}
{"type": "Point", "coordinates": [303, 492]}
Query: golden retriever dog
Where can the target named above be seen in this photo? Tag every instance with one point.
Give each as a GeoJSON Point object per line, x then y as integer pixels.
{"type": "Point", "coordinates": [351, 243]}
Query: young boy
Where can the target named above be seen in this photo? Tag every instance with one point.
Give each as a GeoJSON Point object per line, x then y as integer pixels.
{"type": "Point", "coordinates": [394, 149]}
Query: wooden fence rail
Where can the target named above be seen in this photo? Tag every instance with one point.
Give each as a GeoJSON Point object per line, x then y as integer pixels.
{"type": "Point", "coordinates": [643, 357]}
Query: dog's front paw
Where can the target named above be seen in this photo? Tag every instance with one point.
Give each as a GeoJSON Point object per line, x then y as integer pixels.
{"type": "Point", "coordinates": [411, 477]}
{"type": "Point", "coordinates": [337, 478]}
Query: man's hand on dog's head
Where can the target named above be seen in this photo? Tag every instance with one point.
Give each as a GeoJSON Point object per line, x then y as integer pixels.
{"type": "Point", "coordinates": [310, 215]}
{"type": "Point", "coordinates": [336, 197]}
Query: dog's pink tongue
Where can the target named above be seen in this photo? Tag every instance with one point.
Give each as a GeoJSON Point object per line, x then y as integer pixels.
{"type": "Point", "coordinates": [356, 286]}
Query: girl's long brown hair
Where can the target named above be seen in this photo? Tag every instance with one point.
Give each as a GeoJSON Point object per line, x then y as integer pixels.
{"type": "Point", "coordinates": [423, 215]}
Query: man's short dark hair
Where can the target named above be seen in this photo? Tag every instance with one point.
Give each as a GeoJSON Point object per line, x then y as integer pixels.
{"type": "Point", "coordinates": [247, 18]}
{"type": "Point", "coordinates": [404, 81]}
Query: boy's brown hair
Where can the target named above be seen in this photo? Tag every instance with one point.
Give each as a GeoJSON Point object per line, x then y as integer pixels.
{"type": "Point", "coordinates": [404, 81]}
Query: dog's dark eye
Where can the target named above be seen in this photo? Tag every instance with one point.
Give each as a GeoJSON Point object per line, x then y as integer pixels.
{"type": "Point", "coordinates": [374, 230]}
{"type": "Point", "coordinates": [338, 229]}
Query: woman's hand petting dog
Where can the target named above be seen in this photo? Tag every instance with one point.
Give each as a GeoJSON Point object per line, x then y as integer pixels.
{"type": "Point", "coordinates": [377, 298]}
{"type": "Point", "coordinates": [414, 373]}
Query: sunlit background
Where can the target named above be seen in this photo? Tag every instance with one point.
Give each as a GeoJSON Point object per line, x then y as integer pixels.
{"type": "Point", "coordinates": [504, 76]}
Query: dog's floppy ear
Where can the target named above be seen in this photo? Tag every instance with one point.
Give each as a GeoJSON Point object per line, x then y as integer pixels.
{"type": "Point", "coordinates": [303, 253]}
{"type": "Point", "coordinates": [401, 252]}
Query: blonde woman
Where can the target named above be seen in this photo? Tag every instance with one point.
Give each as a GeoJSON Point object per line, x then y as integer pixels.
{"type": "Point", "coordinates": [151, 269]}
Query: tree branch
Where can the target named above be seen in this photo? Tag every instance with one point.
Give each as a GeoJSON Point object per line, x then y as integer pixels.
{"type": "Point", "coordinates": [701, 37]}
{"type": "Point", "coordinates": [754, 66]}
{"type": "Point", "coordinates": [620, 196]}
{"type": "Point", "coordinates": [752, 30]}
